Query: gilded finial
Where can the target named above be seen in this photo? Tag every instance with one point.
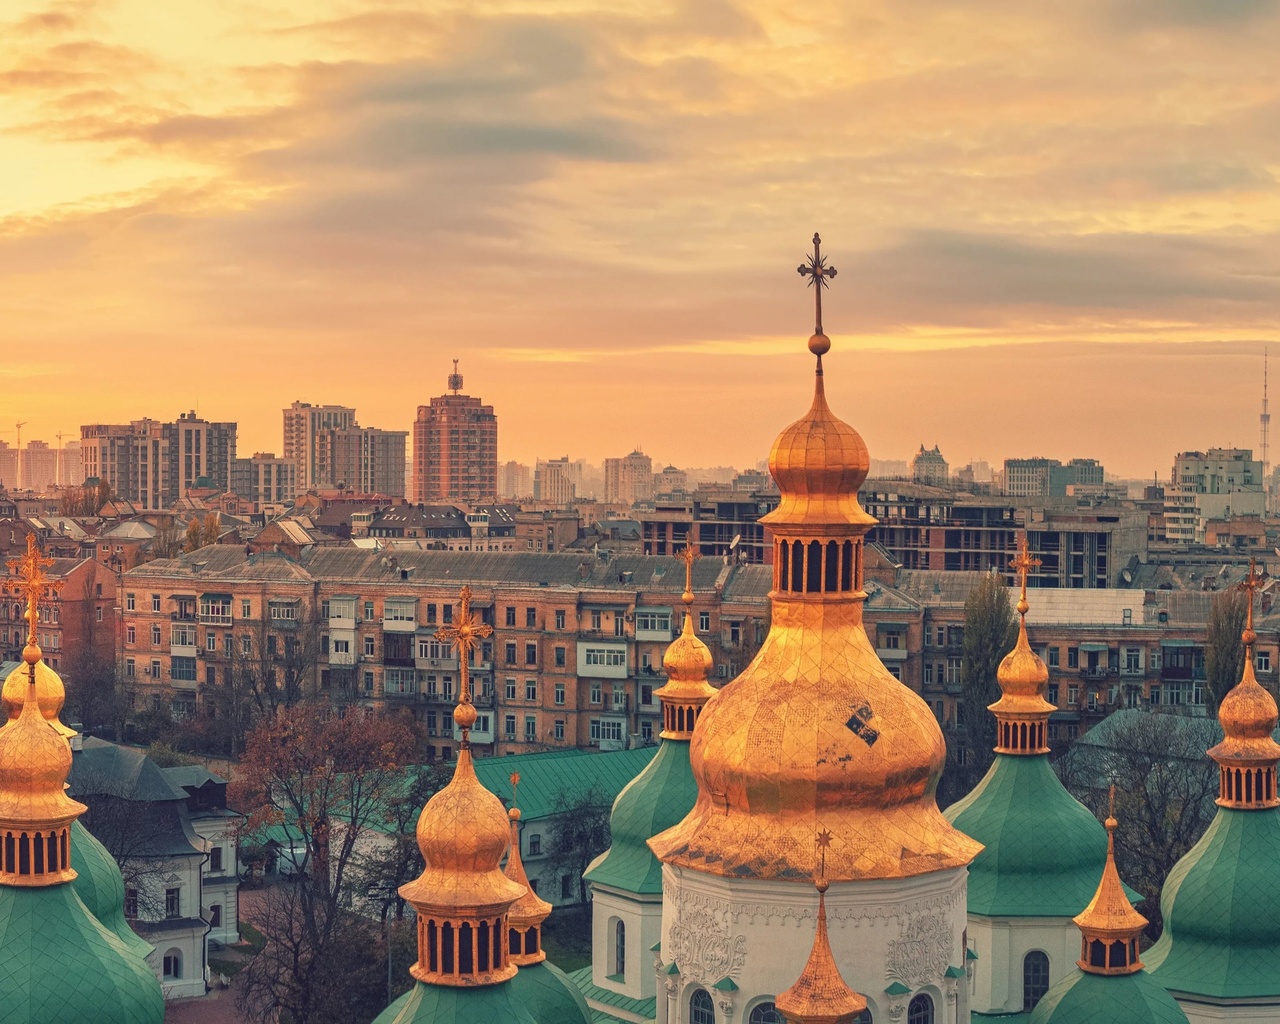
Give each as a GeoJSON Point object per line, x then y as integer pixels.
{"type": "Point", "coordinates": [823, 840]}
{"type": "Point", "coordinates": [689, 555]}
{"type": "Point", "coordinates": [464, 636]}
{"type": "Point", "coordinates": [514, 813]}
{"type": "Point", "coordinates": [1250, 585]}
{"type": "Point", "coordinates": [1023, 564]}
{"type": "Point", "coordinates": [816, 270]}
{"type": "Point", "coordinates": [30, 570]}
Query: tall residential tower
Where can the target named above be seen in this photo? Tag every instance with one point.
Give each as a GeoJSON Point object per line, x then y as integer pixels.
{"type": "Point", "coordinates": [455, 448]}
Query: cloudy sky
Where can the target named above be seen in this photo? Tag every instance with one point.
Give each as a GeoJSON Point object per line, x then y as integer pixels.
{"type": "Point", "coordinates": [1056, 224]}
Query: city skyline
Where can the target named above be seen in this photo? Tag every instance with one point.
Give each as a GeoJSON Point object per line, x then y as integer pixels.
{"type": "Point", "coordinates": [235, 200]}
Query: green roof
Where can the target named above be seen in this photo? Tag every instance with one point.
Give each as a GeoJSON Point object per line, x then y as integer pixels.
{"type": "Point", "coordinates": [551, 996]}
{"type": "Point", "coordinates": [100, 886]}
{"type": "Point", "coordinates": [1221, 908]}
{"type": "Point", "coordinates": [451, 1004]}
{"type": "Point", "coordinates": [546, 778]}
{"type": "Point", "coordinates": [1082, 998]}
{"type": "Point", "coordinates": [1043, 851]}
{"type": "Point", "coordinates": [655, 800]}
{"type": "Point", "coordinates": [645, 1009]}
{"type": "Point", "coordinates": [59, 963]}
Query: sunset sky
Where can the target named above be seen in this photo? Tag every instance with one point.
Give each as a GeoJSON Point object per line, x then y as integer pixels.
{"type": "Point", "coordinates": [1056, 224]}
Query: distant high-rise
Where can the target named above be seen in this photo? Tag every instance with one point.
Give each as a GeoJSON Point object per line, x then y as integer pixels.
{"type": "Point", "coordinates": [515, 480]}
{"type": "Point", "coordinates": [303, 425]}
{"type": "Point", "coordinates": [39, 467]}
{"type": "Point", "coordinates": [264, 479]}
{"type": "Point", "coordinates": [628, 479]}
{"type": "Point", "coordinates": [455, 448]}
{"type": "Point", "coordinates": [365, 459]}
{"type": "Point", "coordinates": [929, 467]}
{"type": "Point", "coordinates": [153, 464]}
{"type": "Point", "coordinates": [553, 481]}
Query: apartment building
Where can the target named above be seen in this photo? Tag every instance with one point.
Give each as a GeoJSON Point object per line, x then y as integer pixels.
{"type": "Point", "coordinates": [455, 448]}
{"type": "Point", "coordinates": [265, 480]}
{"type": "Point", "coordinates": [929, 467]}
{"type": "Point", "coordinates": [153, 464]}
{"type": "Point", "coordinates": [1214, 484]}
{"type": "Point", "coordinates": [554, 481]}
{"type": "Point", "coordinates": [628, 479]}
{"type": "Point", "coordinates": [304, 423]}
{"type": "Point", "coordinates": [575, 657]}
{"type": "Point", "coordinates": [77, 616]}
{"type": "Point", "coordinates": [1041, 477]}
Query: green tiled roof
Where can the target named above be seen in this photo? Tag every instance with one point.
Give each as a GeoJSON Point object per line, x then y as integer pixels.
{"type": "Point", "coordinates": [1221, 907]}
{"type": "Point", "coordinates": [655, 800]}
{"type": "Point", "coordinates": [58, 963]}
{"type": "Point", "coordinates": [645, 1009]}
{"type": "Point", "coordinates": [999, 1018]}
{"type": "Point", "coordinates": [448, 1004]}
{"type": "Point", "coordinates": [100, 886]}
{"type": "Point", "coordinates": [1044, 851]}
{"type": "Point", "coordinates": [551, 996]}
{"type": "Point", "coordinates": [1082, 998]}
{"type": "Point", "coordinates": [544, 778]}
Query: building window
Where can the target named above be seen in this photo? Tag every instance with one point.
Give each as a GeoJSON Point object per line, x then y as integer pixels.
{"type": "Point", "coordinates": [130, 669]}
{"type": "Point", "coordinates": [531, 618]}
{"type": "Point", "coordinates": [131, 904]}
{"type": "Point", "coordinates": [560, 657]}
{"type": "Point", "coordinates": [368, 646]}
{"type": "Point", "coordinates": [531, 654]}
{"type": "Point", "coordinates": [535, 845]}
{"type": "Point", "coordinates": [215, 915]}
{"type": "Point", "coordinates": [620, 950]}
{"type": "Point", "coordinates": [173, 902]}
{"type": "Point", "coordinates": [764, 1013]}
{"type": "Point", "coordinates": [173, 964]}
{"type": "Point", "coordinates": [1073, 695]}
{"type": "Point", "coordinates": [704, 625]}
{"type": "Point", "coordinates": [953, 671]}
{"type": "Point", "coordinates": [511, 654]}
{"type": "Point", "coordinates": [646, 731]}
{"type": "Point", "coordinates": [646, 695]}
{"type": "Point", "coordinates": [595, 693]}
{"type": "Point", "coordinates": [595, 619]}
{"type": "Point", "coordinates": [511, 689]}
{"type": "Point", "coordinates": [1073, 657]}
{"type": "Point", "coordinates": [131, 634]}
{"type": "Point", "coordinates": [607, 656]}
{"type": "Point", "coordinates": [446, 613]}
{"type": "Point", "coordinates": [530, 729]}
{"type": "Point", "coordinates": [1053, 657]}
{"type": "Point", "coordinates": [246, 645]}
{"type": "Point", "coordinates": [531, 689]}
{"type": "Point", "coordinates": [920, 1010]}
{"type": "Point", "coordinates": [509, 727]}
{"type": "Point", "coordinates": [368, 682]}
{"type": "Point", "coordinates": [928, 674]}
{"type": "Point", "coordinates": [511, 615]}
{"type": "Point", "coordinates": [155, 636]}
{"type": "Point", "coordinates": [155, 602]}
{"type": "Point", "coordinates": [559, 728]}
{"type": "Point", "coordinates": [559, 618]}
{"type": "Point", "coordinates": [1262, 661]}
{"type": "Point", "coordinates": [1035, 979]}
{"type": "Point", "coordinates": [130, 603]}
{"type": "Point", "coordinates": [246, 610]}
{"type": "Point", "coordinates": [215, 860]}
{"type": "Point", "coordinates": [566, 887]}
{"type": "Point", "coordinates": [701, 1009]}
{"type": "Point", "coordinates": [1053, 694]}
{"type": "Point", "coordinates": [155, 668]}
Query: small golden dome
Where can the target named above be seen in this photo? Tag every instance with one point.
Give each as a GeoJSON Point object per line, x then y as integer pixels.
{"type": "Point", "coordinates": [1109, 926]}
{"type": "Point", "coordinates": [50, 696]}
{"type": "Point", "coordinates": [1248, 715]}
{"type": "Point", "coordinates": [530, 909]}
{"type": "Point", "coordinates": [687, 660]}
{"type": "Point", "coordinates": [463, 835]}
{"type": "Point", "coordinates": [819, 462]}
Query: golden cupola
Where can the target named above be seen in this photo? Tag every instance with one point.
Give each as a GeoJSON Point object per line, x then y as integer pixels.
{"type": "Point", "coordinates": [687, 663]}
{"type": "Point", "coordinates": [816, 733]}
{"type": "Point", "coordinates": [1247, 755]}
{"type": "Point", "coordinates": [35, 760]}
{"type": "Point", "coordinates": [820, 995]}
{"type": "Point", "coordinates": [462, 898]}
{"type": "Point", "coordinates": [1022, 713]}
{"type": "Point", "coordinates": [1109, 926]}
{"type": "Point", "coordinates": [530, 910]}
{"type": "Point", "coordinates": [50, 696]}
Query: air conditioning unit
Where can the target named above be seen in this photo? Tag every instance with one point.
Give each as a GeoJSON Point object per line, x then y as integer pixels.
{"type": "Point", "coordinates": [146, 670]}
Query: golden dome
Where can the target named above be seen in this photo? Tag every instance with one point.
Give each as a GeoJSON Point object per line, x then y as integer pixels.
{"type": "Point", "coordinates": [530, 909]}
{"type": "Point", "coordinates": [50, 696]}
{"type": "Point", "coordinates": [1109, 921]}
{"type": "Point", "coordinates": [463, 836]}
{"type": "Point", "coordinates": [819, 462]}
{"type": "Point", "coordinates": [820, 995]}
{"type": "Point", "coordinates": [1022, 713]}
{"type": "Point", "coordinates": [816, 733]}
{"type": "Point", "coordinates": [687, 663]}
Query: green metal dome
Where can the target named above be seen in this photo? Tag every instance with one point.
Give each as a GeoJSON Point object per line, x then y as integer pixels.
{"type": "Point", "coordinates": [1082, 998]}
{"type": "Point", "coordinates": [1221, 907]}
{"type": "Point", "coordinates": [551, 996]}
{"type": "Point", "coordinates": [1043, 849]}
{"type": "Point", "coordinates": [60, 965]}
{"type": "Point", "coordinates": [655, 800]}
{"type": "Point", "coordinates": [448, 1004]}
{"type": "Point", "coordinates": [100, 886]}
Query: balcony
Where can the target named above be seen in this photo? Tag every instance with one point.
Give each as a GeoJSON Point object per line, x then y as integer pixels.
{"type": "Point", "coordinates": [390, 661]}
{"type": "Point", "coordinates": [891, 653]}
{"type": "Point", "coordinates": [215, 620]}
{"type": "Point", "coordinates": [436, 664]}
{"type": "Point", "coordinates": [399, 625]}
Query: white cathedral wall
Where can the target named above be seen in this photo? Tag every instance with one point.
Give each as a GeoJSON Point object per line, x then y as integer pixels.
{"type": "Point", "coordinates": [759, 933]}
{"type": "Point", "coordinates": [642, 928]}
{"type": "Point", "coordinates": [1229, 1013]}
{"type": "Point", "coordinates": [1001, 944]}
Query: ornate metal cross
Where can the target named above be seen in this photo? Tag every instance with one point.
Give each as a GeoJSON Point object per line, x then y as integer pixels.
{"type": "Point", "coordinates": [465, 636]}
{"type": "Point", "coordinates": [30, 570]}
{"type": "Point", "coordinates": [1022, 564]}
{"type": "Point", "coordinates": [689, 555]}
{"type": "Point", "coordinates": [816, 270]}
{"type": "Point", "coordinates": [515, 784]}
{"type": "Point", "coordinates": [1250, 584]}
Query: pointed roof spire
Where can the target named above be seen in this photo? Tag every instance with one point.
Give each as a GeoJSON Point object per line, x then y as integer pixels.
{"type": "Point", "coordinates": [530, 910]}
{"type": "Point", "coordinates": [1247, 756]}
{"type": "Point", "coordinates": [1022, 713]}
{"type": "Point", "coordinates": [820, 995]}
{"type": "Point", "coordinates": [1109, 926]}
{"type": "Point", "coordinates": [687, 663]}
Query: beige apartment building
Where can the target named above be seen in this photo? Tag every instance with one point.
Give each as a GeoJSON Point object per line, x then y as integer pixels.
{"type": "Point", "coordinates": [574, 659]}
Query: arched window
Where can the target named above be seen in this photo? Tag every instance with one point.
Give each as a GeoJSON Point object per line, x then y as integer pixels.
{"type": "Point", "coordinates": [173, 963]}
{"type": "Point", "coordinates": [764, 1013]}
{"type": "Point", "coordinates": [701, 1009]}
{"type": "Point", "coordinates": [1035, 979]}
{"type": "Point", "coordinates": [863, 1018]}
{"type": "Point", "coordinates": [920, 1010]}
{"type": "Point", "coordinates": [620, 950]}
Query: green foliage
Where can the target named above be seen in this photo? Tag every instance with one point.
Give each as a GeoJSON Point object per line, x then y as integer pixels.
{"type": "Point", "coordinates": [166, 757]}
{"type": "Point", "coordinates": [1223, 649]}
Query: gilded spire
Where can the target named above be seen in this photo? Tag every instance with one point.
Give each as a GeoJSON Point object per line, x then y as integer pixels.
{"type": "Point", "coordinates": [820, 995]}
{"type": "Point", "coordinates": [462, 898]}
{"type": "Point", "coordinates": [35, 761]}
{"type": "Point", "coordinates": [530, 910]}
{"type": "Point", "coordinates": [50, 693]}
{"type": "Point", "coordinates": [1022, 713]}
{"type": "Point", "coordinates": [1109, 926]}
{"type": "Point", "coordinates": [1247, 755]}
{"type": "Point", "coordinates": [687, 663]}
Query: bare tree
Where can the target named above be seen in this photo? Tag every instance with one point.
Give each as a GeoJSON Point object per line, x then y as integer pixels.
{"type": "Point", "coordinates": [167, 543]}
{"type": "Point", "coordinates": [581, 831]}
{"type": "Point", "coordinates": [1224, 648]}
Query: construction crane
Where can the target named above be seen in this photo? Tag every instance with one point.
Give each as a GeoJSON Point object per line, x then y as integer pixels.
{"type": "Point", "coordinates": [18, 485]}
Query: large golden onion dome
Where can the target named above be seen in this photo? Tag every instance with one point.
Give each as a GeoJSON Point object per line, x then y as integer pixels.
{"type": "Point", "coordinates": [816, 733]}
{"type": "Point", "coordinates": [50, 695]}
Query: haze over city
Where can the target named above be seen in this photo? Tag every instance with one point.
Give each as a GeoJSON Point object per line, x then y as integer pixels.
{"type": "Point", "coordinates": [598, 209]}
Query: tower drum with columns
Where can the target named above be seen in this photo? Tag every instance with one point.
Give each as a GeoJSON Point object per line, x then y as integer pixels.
{"type": "Point", "coordinates": [815, 735]}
